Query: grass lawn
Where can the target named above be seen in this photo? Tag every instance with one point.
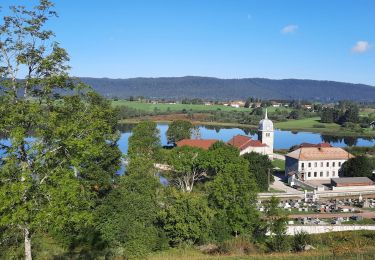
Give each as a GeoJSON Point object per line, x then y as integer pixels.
{"type": "Point", "coordinates": [279, 164]}
{"type": "Point", "coordinates": [149, 107]}
{"type": "Point", "coordinates": [313, 125]}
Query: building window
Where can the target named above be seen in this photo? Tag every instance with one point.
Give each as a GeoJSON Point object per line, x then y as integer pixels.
{"type": "Point", "coordinates": [315, 174]}
{"type": "Point", "coordinates": [327, 174]}
{"type": "Point", "coordinates": [333, 164]}
{"type": "Point", "coordinates": [315, 164]}
{"type": "Point", "coordinates": [339, 164]}
{"type": "Point", "coordinates": [309, 164]}
{"type": "Point", "coordinates": [321, 174]}
{"type": "Point", "coordinates": [321, 164]}
{"type": "Point", "coordinates": [309, 174]}
{"type": "Point", "coordinates": [268, 134]}
{"type": "Point", "coordinates": [302, 165]}
{"type": "Point", "coordinates": [327, 164]}
{"type": "Point", "coordinates": [333, 173]}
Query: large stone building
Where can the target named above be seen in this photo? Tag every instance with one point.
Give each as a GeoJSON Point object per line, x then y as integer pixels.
{"type": "Point", "coordinates": [315, 162]}
{"type": "Point", "coordinates": [264, 144]}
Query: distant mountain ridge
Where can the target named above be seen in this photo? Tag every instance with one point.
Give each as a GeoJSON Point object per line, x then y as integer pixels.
{"type": "Point", "coordinates": [229, 89]}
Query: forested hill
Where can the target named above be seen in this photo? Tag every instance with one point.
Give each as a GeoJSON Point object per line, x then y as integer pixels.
{"type": "Point", "coordinates": [226, 89]}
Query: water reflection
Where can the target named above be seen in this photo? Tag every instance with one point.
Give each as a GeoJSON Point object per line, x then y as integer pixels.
{"type": "Point", "coordinates": [283, 139]}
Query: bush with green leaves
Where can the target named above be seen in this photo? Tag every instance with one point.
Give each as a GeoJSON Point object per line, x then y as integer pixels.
{"type": "Point", "coordinates": [185, 218]}
{"type": "Point", "coordinates": [300, 240]}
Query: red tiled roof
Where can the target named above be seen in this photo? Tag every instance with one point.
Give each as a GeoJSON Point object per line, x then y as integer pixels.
{"type": "Point", "coordinates": [242, 142]}
{"type": "Point", "coordinates": [199, 143]}
{"type": "Point", "coordinates": [315, 145]}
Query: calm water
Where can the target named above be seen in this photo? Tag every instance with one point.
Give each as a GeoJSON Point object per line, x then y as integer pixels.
{"type": "Point", "coordinates": [283, 139]}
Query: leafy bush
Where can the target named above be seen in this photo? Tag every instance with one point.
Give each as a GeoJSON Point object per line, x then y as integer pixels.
{"type": "Point", "coordinates": [238, 246]}
{"type": "Point", "coordinates": [300, 240]}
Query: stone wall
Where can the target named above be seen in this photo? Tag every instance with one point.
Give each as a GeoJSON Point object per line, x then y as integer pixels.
{"type": "Point", "coordinates": [318, 229]}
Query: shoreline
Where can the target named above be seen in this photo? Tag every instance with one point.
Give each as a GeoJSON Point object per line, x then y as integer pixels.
{"type": "Point", "coordinates": [254, 127]}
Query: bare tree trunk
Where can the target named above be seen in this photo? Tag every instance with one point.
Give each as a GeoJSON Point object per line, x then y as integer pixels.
{"type": "Point", "coordinates": [27, 244]}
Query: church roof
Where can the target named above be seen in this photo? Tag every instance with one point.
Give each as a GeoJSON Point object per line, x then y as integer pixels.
{"type": "Point", "coordinates": [319, 153]}
{"type": "Point", "coordinates": [199, 143]}
{"type": "Point", "coordinates": [242, 142]}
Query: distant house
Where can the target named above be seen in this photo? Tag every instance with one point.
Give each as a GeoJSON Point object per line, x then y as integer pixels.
{"type": "Point", "coordinates": [204, 144]}
{"type": "Point", "coordinates": [315, 162]}
{"type": "Point", "coordinates": [247, 145]}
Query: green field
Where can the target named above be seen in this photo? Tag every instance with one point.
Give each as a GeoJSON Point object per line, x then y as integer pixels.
{"type": "Point", "coordinates": [313, 125]}
{"type": "Point", "coordinates": [307, 123]}
{"type": "Point", "coordinates": [149, 107]}
{"type": "Point", "coordinates": [279, 164]}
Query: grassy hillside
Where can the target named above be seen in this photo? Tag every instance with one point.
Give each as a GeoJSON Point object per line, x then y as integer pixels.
{"type": "Point", "coordinates": [175, 107]}
{"type": "Point", "coordinates": [229, 89]}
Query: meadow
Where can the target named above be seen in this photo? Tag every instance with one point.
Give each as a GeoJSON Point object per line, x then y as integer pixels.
{"type": "Point", "coordinates": [164, 107]}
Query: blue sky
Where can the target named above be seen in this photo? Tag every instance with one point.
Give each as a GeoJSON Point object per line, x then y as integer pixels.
{"type": "Point", "coordinates": [325, 40]}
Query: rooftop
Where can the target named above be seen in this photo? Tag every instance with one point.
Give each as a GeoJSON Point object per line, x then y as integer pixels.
{"type": "Point", "coordinates": [199, 143]}
{"type": "Point", "coordinates": [315, 145]}
{"type": "Point", "coordinates": [242, 142]}
{"type": "Point", "coordinates": [351, 180]}
{"type": "Point", "coordinates": [319, 153]}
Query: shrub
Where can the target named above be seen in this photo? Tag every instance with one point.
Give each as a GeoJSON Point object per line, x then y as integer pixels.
{"type": "Point", "coordinates": [300, 240]}
{"type": "Point", "coordinates": [237, 246]}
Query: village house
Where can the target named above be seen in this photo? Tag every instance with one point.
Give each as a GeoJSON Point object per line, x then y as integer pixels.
{"type": "Point", "coordinates": [315, 162]}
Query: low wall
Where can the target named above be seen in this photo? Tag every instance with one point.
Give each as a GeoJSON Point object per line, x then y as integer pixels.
{"type": "Point", "coordinates": [354, 188]}
{"type": "Point", "coordinates": [318, 229]}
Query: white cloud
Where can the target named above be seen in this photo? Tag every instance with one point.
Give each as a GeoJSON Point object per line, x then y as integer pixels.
{"type": "Point", "coordinates": [291, 28]}
{"type": "Point", "coordinates": [361, 47]}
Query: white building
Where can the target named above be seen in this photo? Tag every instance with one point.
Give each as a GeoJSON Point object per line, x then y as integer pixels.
{"type": "Point", "coordinates": [315, 162]}
{"type": "Point", "coordinates": [264, 144]}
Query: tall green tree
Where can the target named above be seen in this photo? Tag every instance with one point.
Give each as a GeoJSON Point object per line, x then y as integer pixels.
{"type": "Point", "coordinates": [60, 154]}
{"type": "Point", "coordinates": [128, 216]}
{"type": "Point", "coordinates": [144, 141]}
{"type": "Point", "coordinates": [360, 166]}
{"type": "Point", "coordinates": [178, 130]}
{"type": "Point", "coordinates": [260, 166]}
{"type": "Point", "coordinates": [233, 194]}
{"type": "Point", "coordinates": [276, 223]}
{"type": "Point", "coordinates": [188, 166]}
{"type": "Point", "coordinates": [185, 217]}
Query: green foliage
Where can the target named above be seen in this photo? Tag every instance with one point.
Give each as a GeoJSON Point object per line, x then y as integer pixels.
{"type": "Point", "coordinates": [276, 223]}
{"type": "Point", "coordinates": [189, 166]}
{"type": "Point", "coordinates": [233, 194]}
{"type": "Point", "coordinates": [144, 141]}
{"type": "Point", "coordinates": [260, 166]}
{"type": "Point", "coordinates": [237, 246]}
{"type": "Point", "coordinates": [60, 153]}
{"type": "Point", "coordinates": [185, 218]}
{"type": "Point", "coordinates": [179, 130]}
{"type": "Point", "coordinates": [360, 166]}
{"type": "Point", "coordinates": [300, 240]}
{"type": "Point", "coordinates": [127, 217]}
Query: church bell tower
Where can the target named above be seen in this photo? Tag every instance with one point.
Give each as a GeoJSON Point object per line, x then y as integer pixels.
{"type": "Point", "coordinates": [266, 133]}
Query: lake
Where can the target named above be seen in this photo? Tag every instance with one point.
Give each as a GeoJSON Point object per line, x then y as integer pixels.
{"type": "Point", "coordinates": [283, 139]}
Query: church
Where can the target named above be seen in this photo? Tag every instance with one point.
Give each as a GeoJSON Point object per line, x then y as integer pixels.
{"type": "Point", "coordinates": [264, 144]}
